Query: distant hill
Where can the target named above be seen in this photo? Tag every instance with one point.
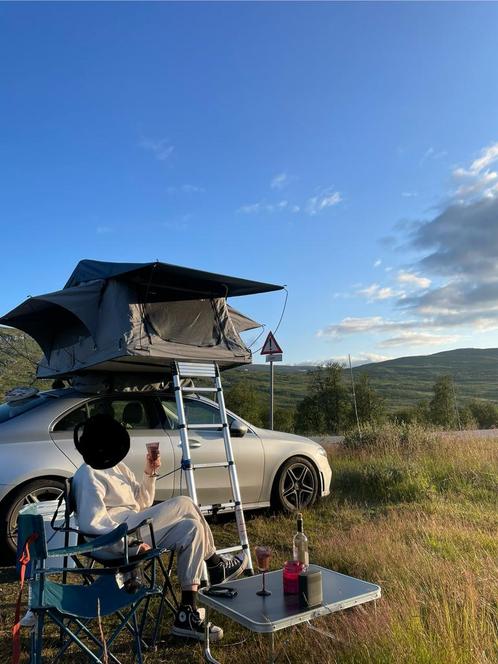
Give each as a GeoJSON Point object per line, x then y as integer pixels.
{"type": "Point", "coordinates": [402, 382]}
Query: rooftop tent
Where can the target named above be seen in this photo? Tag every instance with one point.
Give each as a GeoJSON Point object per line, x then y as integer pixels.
{"type": "Point", "coordinates": [136, 318]}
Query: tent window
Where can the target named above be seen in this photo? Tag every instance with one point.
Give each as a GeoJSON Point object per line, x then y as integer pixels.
{"type": "Point", "coordinates": [191, 322]}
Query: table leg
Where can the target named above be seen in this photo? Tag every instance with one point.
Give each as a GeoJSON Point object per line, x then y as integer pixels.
{"type": "Point", "coordinates": [207, 650]}
{"type": "Point", "coordinates": [272, 647]}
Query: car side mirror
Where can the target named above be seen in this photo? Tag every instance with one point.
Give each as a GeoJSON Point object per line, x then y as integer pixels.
{"type": "Point", "coordinates": [238, 429]}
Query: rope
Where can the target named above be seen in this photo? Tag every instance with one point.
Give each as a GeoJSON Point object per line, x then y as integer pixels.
{"type": "Point", "coordinates": [24, 559]}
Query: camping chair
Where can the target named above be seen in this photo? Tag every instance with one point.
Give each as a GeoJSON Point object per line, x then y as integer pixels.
{"type": "Point", "coordinates": [72, 607]}
{"type": "Point", "coordinates": [88, 560]}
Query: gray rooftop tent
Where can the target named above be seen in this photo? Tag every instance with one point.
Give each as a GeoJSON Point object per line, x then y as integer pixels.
{"type": "Point", "coordinates": [136, 318]}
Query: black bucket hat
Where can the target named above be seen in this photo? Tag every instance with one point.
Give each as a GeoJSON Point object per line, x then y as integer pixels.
{"type": "Point", "coordinates": [101, 441]}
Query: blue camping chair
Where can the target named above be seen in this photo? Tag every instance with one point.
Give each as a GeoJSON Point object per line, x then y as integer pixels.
{"type": "Point", "coordinates": [87, 560]}
{"type": "Point", "coordinates": [73, 606]}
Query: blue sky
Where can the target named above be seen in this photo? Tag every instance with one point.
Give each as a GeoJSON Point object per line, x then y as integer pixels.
{"type": "Point", "coordinates": [346, 150]}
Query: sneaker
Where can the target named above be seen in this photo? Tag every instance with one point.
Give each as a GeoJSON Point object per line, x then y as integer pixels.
{"type": "Point", "coordinates": [189, 624]}
{"type": "Point", "coordinates": [230, 567]}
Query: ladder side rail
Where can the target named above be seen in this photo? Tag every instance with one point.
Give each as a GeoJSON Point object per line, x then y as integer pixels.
{"type": "Point", "coordinates": [186, 458]}
{"type": "Point", "coordinates": [232, 471]}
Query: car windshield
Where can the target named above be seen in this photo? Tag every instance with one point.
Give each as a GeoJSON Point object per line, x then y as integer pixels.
{"type": "Point", "coordinates": [11, 409]}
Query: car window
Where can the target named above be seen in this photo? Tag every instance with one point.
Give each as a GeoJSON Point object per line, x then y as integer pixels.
{"type": "Point", "coordinates": [196, 412]}
{"type": "Point", "coordinates": [11, 409]}
{"type": "Point", "coordinates": [69, 421]}
{"type": "Point", "coordinates": [133, 413]}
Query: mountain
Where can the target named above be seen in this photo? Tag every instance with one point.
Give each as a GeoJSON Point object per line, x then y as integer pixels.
{"type": "Point", "coordinates": [402, 382]}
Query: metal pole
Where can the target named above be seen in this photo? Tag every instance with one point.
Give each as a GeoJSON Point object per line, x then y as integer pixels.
{"type": "Point", "coordinates": [271, 395]}
{"type": "Point", "coordinates": [354, 396]}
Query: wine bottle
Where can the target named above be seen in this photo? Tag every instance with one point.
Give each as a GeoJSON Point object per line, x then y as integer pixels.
{"type": "Point", "coordinates": [300, 543]}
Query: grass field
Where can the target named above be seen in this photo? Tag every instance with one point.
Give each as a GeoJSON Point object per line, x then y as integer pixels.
{"type": "Point", "coordinates": [410, 511]}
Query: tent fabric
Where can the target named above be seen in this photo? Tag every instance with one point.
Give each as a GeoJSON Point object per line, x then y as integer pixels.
{"type": "Point", "coordinates": [120, 324]}
{"type": "Point", "coordinates": [171, 282]}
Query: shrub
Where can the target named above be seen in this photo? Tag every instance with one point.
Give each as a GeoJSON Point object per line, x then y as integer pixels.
{"type": "Point", "coordinates": [381, 480]}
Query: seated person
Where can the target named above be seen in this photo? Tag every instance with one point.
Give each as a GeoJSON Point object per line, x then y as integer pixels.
{"type": "Point", "coordinates": [107, 493]}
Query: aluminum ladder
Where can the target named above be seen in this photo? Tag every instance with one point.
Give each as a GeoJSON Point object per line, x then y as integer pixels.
{"type": "Point", "coordinates": [183, 373]}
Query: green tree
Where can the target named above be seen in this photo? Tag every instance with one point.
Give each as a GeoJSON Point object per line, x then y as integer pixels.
{"type": "Point", "coordinates": [243, 400]}
{"type": "Point", "coordinates": [19, 355]}
{"type": "Point", "coordinates": [327, 407]}
{"type": "Point", "coordinates": [283, 418]}
{"type": "Point", "coordinates": [370, 405]}
{"type": "Point", "coordinates": [485, 413]}
{"type": "Point", "coordinates": [442, 406]}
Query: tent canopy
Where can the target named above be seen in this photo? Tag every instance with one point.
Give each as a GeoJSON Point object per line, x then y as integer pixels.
{"type": "Point", "coordinates": [163, 282]}
{"type": "Point", "coordinates": [136, 318]}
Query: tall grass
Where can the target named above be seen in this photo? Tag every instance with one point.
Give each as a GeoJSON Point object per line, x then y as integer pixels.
{"type": "Point", "coordinates": [411, 510]}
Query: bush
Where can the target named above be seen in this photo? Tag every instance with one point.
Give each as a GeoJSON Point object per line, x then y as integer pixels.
{"type": "Point", "coordinates": [391, 438]}
{"type": "Point", "coordinates": [383, 481]}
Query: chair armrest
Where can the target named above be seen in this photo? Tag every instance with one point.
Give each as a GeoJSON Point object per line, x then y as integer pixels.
{"type": "Point", "coordinates": [100, 542]}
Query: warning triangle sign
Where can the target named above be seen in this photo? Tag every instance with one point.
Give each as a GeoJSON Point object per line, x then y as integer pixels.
{"type": "Point", "coordinates": [271, 346]}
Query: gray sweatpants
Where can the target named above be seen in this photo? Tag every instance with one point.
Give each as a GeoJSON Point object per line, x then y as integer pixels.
{"type": "Point", "coordinates": [179, 525]}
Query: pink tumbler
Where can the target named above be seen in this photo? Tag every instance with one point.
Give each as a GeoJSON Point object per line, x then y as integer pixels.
{"type": "Point", "coordinates": [292, 570]}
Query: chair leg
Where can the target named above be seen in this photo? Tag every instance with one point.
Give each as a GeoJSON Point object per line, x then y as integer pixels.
{"type": "Point", "coordinates": [138, 640]}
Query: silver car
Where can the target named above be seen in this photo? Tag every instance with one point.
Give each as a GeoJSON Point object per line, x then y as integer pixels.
{"type": "Point", "coordinates": [37, 452]}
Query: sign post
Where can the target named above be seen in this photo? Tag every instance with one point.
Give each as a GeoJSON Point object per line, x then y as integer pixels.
{"type": "Point", "coordinates": [273, 354]}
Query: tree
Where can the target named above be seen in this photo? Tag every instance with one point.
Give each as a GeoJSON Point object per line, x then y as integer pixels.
{"type": "Point", "coordinates": [369, 404]}
{"type": "Point", "coordinates": [19, 355]}
{"type": "Point", "coordinates": [443, 410]}
{"type": "Point", "coordinates": [485, 413]}
{"type": "Point", "coordinates": [327, 407]}
{"type": "Point", "coordinates": [243, 400]}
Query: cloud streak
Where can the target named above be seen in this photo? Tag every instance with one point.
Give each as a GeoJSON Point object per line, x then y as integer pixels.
{"type": "Point", "coordinates": [161, 148]}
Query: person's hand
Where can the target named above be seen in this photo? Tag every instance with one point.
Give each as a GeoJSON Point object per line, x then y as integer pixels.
{"type": "Point", "coordinates": [142, 548]}
{"type": "Point", "coordinates": [152, 465]}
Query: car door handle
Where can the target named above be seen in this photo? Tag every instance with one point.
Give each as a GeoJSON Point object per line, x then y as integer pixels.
{"type": "Point", "coordinates": [193, 444]}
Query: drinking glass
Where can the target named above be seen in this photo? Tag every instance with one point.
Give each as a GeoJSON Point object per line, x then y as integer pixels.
{"type": "Point", "coordinates": [263, 556]}
{"type": "Point", "coordinates": [153, 454]}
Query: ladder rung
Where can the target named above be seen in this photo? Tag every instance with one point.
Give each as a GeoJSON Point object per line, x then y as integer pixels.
{"type": "Point", "coordinates": [218, 464]}
{"type": "Point", "coordinates": [199, 369]}
{"type": "Point", "coordinates": [213, 427]}
{"type": "Point", "coordinates": [199, 389]}
{"type": "Point", "coordinates": [229, 549]}
{"type": "Point", "coordinates": [217, 506]}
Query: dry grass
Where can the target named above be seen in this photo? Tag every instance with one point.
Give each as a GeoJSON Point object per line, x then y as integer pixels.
{"type": "Point", "coordinates": [429, 537]}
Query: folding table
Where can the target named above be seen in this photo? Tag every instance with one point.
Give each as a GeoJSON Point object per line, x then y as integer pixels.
{"type": "Point", "coordinates": [267, 615]}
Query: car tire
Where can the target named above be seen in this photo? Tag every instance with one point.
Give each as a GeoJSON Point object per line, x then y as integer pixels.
{"type": "Point", "coordinates": [296, 485]}
{"type": "Point", "coordinates": [30, 492]}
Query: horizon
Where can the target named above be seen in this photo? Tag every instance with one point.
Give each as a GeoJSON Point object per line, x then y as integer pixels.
{"type": "Point", "coordinates": [346, 150]}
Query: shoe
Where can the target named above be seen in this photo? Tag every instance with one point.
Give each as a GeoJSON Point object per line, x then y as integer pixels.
{"type": "Point", "coordinates": [189, 624]}
{"type": "Point", "coordinates": [230, 567]}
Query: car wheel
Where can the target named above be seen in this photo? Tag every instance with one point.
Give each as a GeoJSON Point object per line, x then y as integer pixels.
{"type": "Point", "coordinates": [31, 492]}
{"type": "Point", "coordinates": [296, 485]}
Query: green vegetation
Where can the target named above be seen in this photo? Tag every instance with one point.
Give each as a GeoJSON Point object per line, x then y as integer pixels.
{"type": "Point", "coordinates": [409, 509]}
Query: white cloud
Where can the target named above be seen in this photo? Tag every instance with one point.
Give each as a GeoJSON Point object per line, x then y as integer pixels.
{"type": "Point", "coordinates": [262, 206]}
{"type": "Point", "coordinates": [376, 292]}
{"type": "Point", "coordinates": [413, 280]}
{"type": "Point", "coordinates": [160, 148]}
{"type": "Point", "coordinates": [279, 181]}
{"type": "Point", "coordinates": [327, 198]}
{"type": "Point", "coordinates": [377, 263]}
{"type": "Point", "coordinates": [418, 339]}
{"type": "Point", "coordinates": [186, 189]}
{"type": "Point", "coordinates": [432, 153]}
{"type": "Point", "coordinates": [409, 194]}
{"type": "Point", "coordinates": [356, 360]}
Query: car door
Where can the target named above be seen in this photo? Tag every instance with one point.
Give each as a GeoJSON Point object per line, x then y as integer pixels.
{"type": "Point", "coordinates": [207, 446]}
{"type": "Point", "coordinates": [138, 413]}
